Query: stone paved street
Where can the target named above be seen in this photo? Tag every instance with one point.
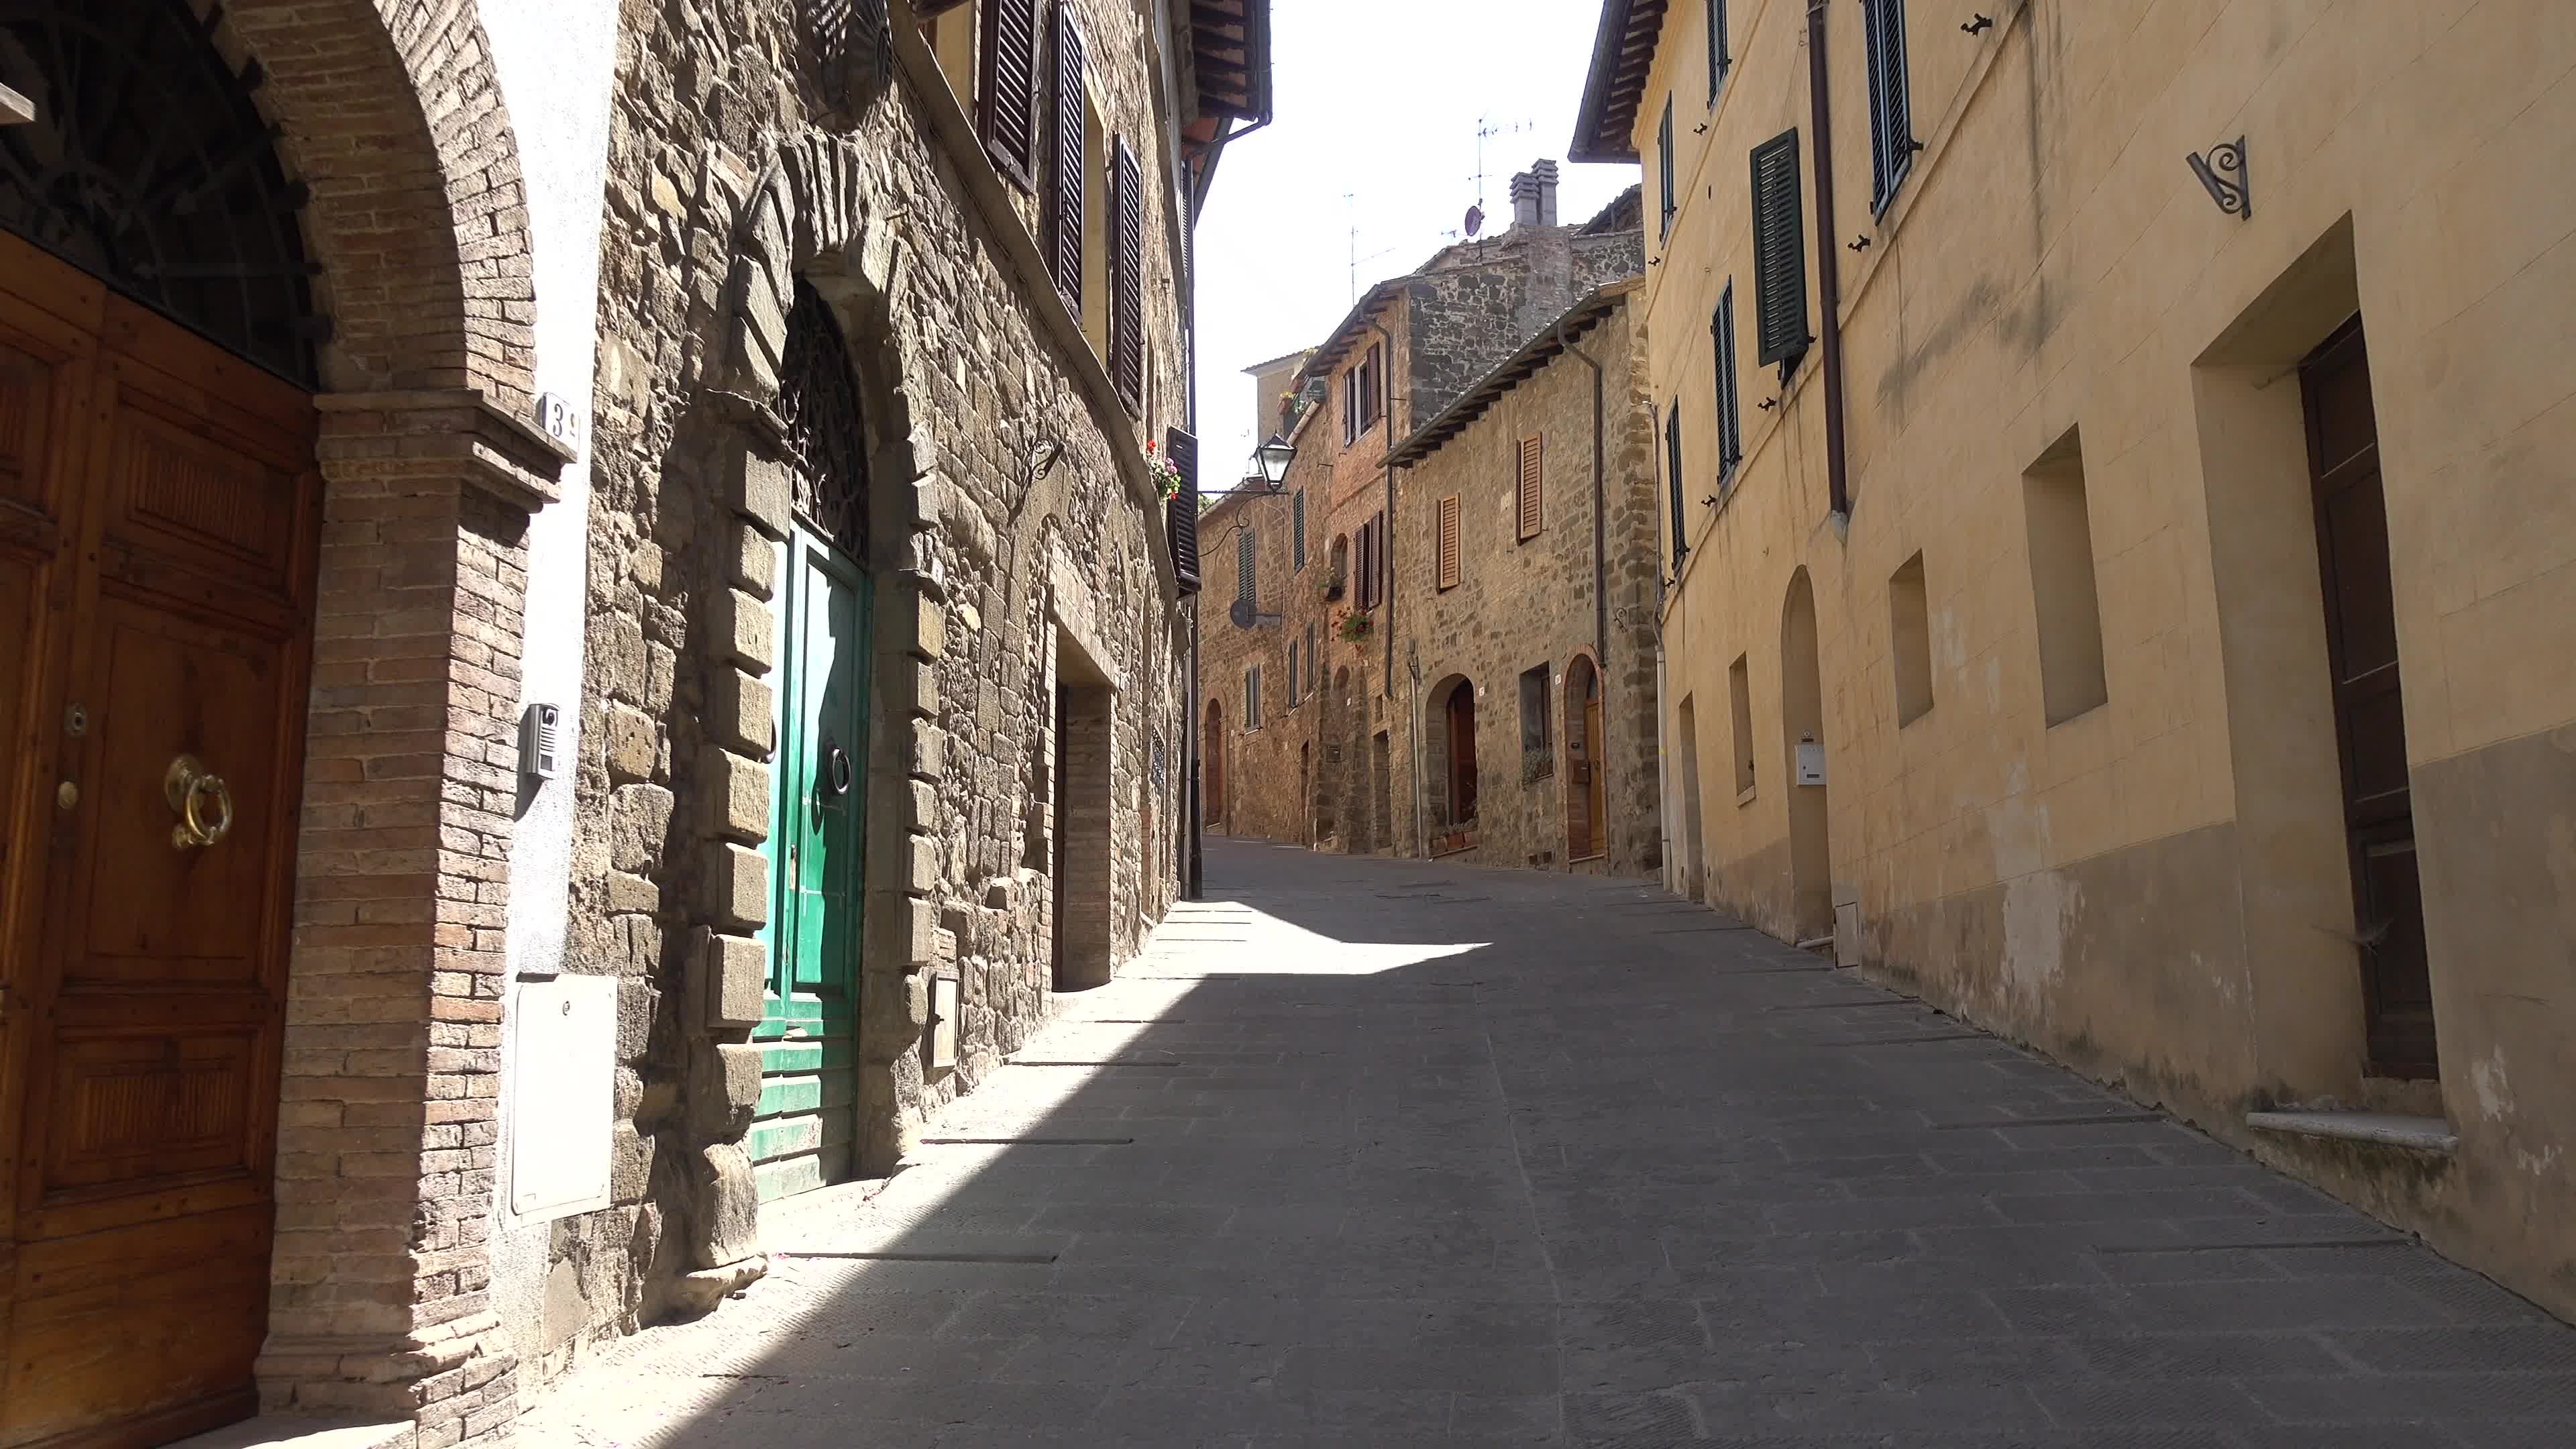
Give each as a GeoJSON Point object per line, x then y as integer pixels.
{"type": "Point", "coordinates": [1385, 1153]}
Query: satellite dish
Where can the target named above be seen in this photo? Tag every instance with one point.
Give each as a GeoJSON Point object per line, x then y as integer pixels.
{"type": "Point", "coordinates": [1241, 612]}
{"type": "Point", "coordinates": [1475, 220]}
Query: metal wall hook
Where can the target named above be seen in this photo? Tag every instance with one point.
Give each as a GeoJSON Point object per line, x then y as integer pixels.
{"type": "Point", "coordinates": [2222, 175]}
{"type": "Point", "coordinates": [1860, 244]}
{"type": "Point", "coordinates": [1982, 22]}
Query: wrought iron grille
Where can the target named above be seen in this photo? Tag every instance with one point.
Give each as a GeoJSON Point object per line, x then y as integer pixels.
{"type": "Point", "coordinates": [149, 166]}
{"type": "Point", "coordinates": [818, 401]}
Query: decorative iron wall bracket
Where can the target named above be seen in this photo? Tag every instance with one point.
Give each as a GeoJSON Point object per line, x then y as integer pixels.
{"type": "Point", "coordinates": [2222, 175]}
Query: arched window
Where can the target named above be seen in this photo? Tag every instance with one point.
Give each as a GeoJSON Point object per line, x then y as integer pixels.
{"type": "Point", "coordinates": [818, 405]}
{"type": "Point", "coordinates": [171, 193]}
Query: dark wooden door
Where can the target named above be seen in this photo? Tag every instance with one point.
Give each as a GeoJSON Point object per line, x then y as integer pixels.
{"type": "Point", "coordinates": [157, 563]}
{"type": "Point", "coordinates": [2369, 703]}
{"type": "Point", "coordinates": [1462, 754]}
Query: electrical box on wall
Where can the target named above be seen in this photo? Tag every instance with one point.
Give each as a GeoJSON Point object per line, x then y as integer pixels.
{"type": "Point", "coordinates": [943, 1023]}
{"type": "Point", "coordinates": [538, 742]}
{"type": "Point", "coordinates": [564, 1071]}
{"type": "Point", "coordinates": [1811, 761]}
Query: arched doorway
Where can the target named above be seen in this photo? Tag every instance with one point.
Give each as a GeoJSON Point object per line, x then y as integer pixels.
{"type": "Point", "coordinates": [1802, 717]}
{"type": "Point", "coordinates": [161, 488]}
{"type": "Point", "coordinates": [1449, 757]}
{"type": "Point", "coordinates": [1586, 785]}
{"type": "Point", "coordinates": [1212, 751]}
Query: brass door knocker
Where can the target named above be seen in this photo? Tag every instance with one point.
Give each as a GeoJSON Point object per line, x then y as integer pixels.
{"type": "Point", "coordinates": [190, 786]}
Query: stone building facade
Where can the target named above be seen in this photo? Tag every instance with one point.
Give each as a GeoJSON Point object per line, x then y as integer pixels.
{"type": "Point", "coordinates": [1529, 654]}
{"type": "Point", "coordinates": [2121, 575]}
{"type": "Point", "coordinates": [554, 449]}
{"type": "Point", "coordinates": [1335, 639]}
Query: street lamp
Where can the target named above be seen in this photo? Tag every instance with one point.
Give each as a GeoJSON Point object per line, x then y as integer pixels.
{"type": "Point", "coordinates": [1270, 462]}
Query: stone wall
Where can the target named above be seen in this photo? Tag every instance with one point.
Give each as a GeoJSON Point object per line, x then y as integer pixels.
{"type": "Point", "coordinates": [1528, 603]}
{"type": "Point", "coordinates": [1011, 540]}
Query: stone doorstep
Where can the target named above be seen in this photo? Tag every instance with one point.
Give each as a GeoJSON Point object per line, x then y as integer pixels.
{"type": "Point", "coordinates": [2423, 1134]}
{"type": "Point", "coordinates": [300, 1431]}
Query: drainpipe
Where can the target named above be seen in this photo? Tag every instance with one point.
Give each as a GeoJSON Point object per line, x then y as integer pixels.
{"type": "Point", "coordinates": [1829, 290]}
{"type": "Point", "coordinates": [1600, 507]}
{"type": "Point", "coordinates": [1193, 879]}
{"type": "Point", "coordinates": [1386, 545]}
{"type": "Point", "coordinates": [1677, 874]}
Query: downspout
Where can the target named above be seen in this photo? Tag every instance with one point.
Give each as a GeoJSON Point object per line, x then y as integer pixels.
{"type": "Point", "coordinates": [1600, 504]}
{"type": "Point", "coordinates": [1829, 290]}
{"type": "Point", "coordinates": [1386, 545]}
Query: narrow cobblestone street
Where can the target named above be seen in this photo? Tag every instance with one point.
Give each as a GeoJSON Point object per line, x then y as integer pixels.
{"type": "Point", "coordinates": [1372, 1152]}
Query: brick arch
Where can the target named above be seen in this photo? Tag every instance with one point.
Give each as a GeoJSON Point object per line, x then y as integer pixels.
{"type": "Point", "coordinates": [391, 113]}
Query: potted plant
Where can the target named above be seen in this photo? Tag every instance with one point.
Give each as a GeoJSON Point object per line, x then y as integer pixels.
{"type": "Point", "coordinates": [1354, 627]}
{"type": "Point", "coordinates": [1332, 587]}
{"type": "Point", "coordinates": [1165, 473]}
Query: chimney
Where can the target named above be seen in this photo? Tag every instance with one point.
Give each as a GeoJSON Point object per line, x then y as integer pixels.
{"type": "Point", "coordinates": [1534, 196]}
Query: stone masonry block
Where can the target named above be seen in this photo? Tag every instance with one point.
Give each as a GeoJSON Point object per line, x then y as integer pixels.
{"type": "Point", "coordinates": [739, 710]}
{"type": "Point", "coordinates": [913, 686]}
{"type": "Point", "coordinates": [745, 630]}
{"type": "Point", "coordinates": [758, 489]}
{"type": "Point", "coordinates": [924, 625]}
{"type": "Point", "coordinates": [920, 933]}
{"type": "Point", "coordinates": [727, 1215]}
{"type": "Point", "coordinates": [736, 795]}
{"type": "Point", "coordinates": [921, 808]}
{"type": "Point", "coordinates": [741, 1064]}
{"type": "Point", "coordinates": [737, 886]}
{"type": "Point", "coordinates": [921, 868]}
{"type": "Point", "coordinates": [736, 972]}
{"type": "Point", "coordinates": [754, 567]}
{"type": "Point", "coordinates": [929, 752]}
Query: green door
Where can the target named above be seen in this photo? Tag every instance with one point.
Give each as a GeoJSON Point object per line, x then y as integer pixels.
{"type": "Point", "coordinates": [803, 1135]}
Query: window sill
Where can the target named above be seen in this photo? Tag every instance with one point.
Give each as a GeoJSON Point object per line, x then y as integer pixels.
{"type": "Point", "coordinates": [2419, 1134]}
{"type": "Point", "coordinates": [1745, 796]}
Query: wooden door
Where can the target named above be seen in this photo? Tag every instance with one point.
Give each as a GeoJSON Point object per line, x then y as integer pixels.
{"type": "Point", "coordinates": [156, 569]}
{"type": "Point", "coordinates": [1583, 786]}
{"type": "Point", "coordinates": [1212, 753]}
{"type": "Point", "coordinates": [2369, 703]}
{"type": "Point", "coordinates": [1462, 754]}
{"type": "Point", "coordinates": [804, 1130]}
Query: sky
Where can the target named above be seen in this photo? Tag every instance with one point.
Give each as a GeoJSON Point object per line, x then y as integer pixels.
{"type": "Point", "coordinates": [1378, 103]}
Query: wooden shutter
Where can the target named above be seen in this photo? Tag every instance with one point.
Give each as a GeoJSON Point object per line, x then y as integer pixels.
{"type": "Point", "coordinates": [1664, 161]}
{"type": "Point", "coordinates": [1717, 57]}
{"type": "Point", "coordinates": [1064, 202]}
{"type": "Point", "coordinates": [1243, 561]}
{"type": "Point", "coordinates": [1730, 421]}
{"type": "Point", "coordinates": [1531, 481]}
{"type": "Point", "coordinates": [1673, 480]}
{"type": "Point", "coordinates": [1447, 542]}
{"type": "Point", "coordinates": [1891, 121]}
{"type": "Point", "coordinates": [1181, 514]}
{"type": "Point", "coordinates": [1297, 530]}
{"type": "Point", "coordinates": [1127, 277]}
{"type": "Point", "coordinates": [1779, 251]}
{"type": "Point", "coordinates": [1008, 116]}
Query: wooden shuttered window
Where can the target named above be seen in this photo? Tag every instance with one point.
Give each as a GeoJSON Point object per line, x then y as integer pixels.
{"type": "Point", "coordinates": [1297, 532]}
{"type": "Point", "coordinates": [1368, 551]}
{"type": "Point", "coordinates": [1245, 556]}
{"type": "Point", "coordinates": [1447, 542]}
{"type": "Point", "coordinates": [1891, 121]}
{"type": "Point", "coordinates": [1779, 252]}
{"type": "Point", "coordinates": [1127, 276]}
{"type": "Point", "coordinates": [1252, 697]}
{"type": "Point", "coordinates": [1181, 514]}
{"type": "Point", "coordinates": [1718, 59]}
{"type": "Point", "coordinates": [1008, 116]}
{"type": "Point", "coordinates": [1664, 163]}
{"type": "Point", "coordinates": [1673, 482]}
{"type": "Point", "coordinates": [1530, 487]}
{"type": "Point", "coordinates": [1730, 401]}
{"type": "Point", "coordinates": [1065, 195]}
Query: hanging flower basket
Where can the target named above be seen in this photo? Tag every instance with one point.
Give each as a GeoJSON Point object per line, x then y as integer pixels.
{"type": "Point", "coordinates": [1332, 588]}
{"type": "Point", "coordinates": [1355, 627]}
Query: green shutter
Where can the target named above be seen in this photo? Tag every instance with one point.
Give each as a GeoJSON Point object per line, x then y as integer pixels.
{"type": "Point", "coordinates": [1664, 155]}
{"type": "Point", "coordinates": [1717, 57]}
{"type": "Point", "coordinates": [1891, 121]}
{"type": "Point", "coordinates": [1779, 252]}
{"type": "Point", "coordinates": [1730, 419]}
{"type": "Point", "coordinates": [1673, 477]}
{"type": "Point", "coordinates": [1297, 525]}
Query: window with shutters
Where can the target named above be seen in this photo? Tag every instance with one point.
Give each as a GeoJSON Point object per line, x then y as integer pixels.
{"type": "Point", "coordinates": [1364, 393]}
{"type": "Point", "coordinates": [1718, 59]}
{"type": "Point", "coordinates": [1297, 529]}
{"type": "Point", "coordinates": [1064, 208]}
{"type": "Point", "coordinates": [1730, 401]}
{"type": "Point", "coordinates": [1181, 514]}
{"type": "Point", "coordinates": [1244, 558]}
{"type": "Point", "coordinates": [1445, 526]}
{"type": "Point", "coordinates": [1891, 121]}
{"type": "Point", "coordinates": [1252, 697]}
{"type": "Point", "coordinates": [1310, 658]}
{"type": "Point", "coordinates": [1292, 674]}
{"type": "Point", "coordinates": [1529, 489]}
{"type": "Point", "coordinates": [1664, 165]}
{"type": "Point", "coordinates": [1127, 275]}
{"type": "Point", "coordinates": [1673, 480]}
{"type": "Point", "coordinates": [1007, 114]}
{"type": "Point", "coordinates": [1779, 253]}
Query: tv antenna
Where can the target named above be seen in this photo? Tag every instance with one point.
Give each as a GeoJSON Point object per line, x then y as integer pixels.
{"type": "Point", "coordinates": [1486, 130]}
